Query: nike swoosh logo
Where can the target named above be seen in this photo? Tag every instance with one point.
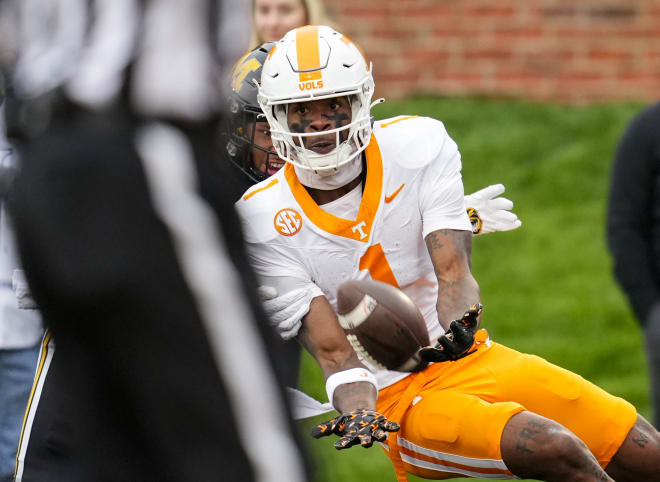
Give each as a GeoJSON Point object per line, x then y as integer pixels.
{"type": "Point", "coordinates": [390, 198]}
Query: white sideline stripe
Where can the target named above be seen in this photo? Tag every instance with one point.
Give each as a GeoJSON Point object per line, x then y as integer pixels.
{"type": "Point", "coordinates": [212, 279]}
{"type": "Point", "coordinates": [359, 314]}
{"type": "Point", "coordinates": [446, 468]}
{"type": "Point", "coordinates": [34, 404]}
{"type": "Point", "coordinates": [457, 459]}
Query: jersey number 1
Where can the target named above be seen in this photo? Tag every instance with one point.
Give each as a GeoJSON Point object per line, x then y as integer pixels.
{"type": "Point", "coordinates": [375, 261]}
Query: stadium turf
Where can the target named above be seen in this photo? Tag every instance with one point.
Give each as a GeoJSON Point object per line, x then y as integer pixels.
{"type": "Point", "coordinates": [547, 288]}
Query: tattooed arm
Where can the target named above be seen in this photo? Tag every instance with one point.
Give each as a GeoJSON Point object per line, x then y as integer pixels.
{"type": "Point", "coordinates": [451, 254]}
{"type": "Point", "coordinates": [324, 338]}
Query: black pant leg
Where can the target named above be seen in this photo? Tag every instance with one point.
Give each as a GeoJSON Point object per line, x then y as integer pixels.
{"type": "Point", "coordinates": [147, 398]}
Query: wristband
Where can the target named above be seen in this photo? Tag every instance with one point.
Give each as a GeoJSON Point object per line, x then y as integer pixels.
{"type": "Point", "coordinates": [352, 375]}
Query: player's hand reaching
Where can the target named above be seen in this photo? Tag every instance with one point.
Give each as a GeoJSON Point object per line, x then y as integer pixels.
{"type": "Point", "coordinates": [489, 213]}
{"type": "Point", "coordinates": [357, 427]}
{"type": "Point", "coordinates": [457, 340]}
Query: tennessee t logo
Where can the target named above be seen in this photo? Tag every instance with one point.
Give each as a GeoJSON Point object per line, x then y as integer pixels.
{"type": "Point", "coordinates": [358, 227]}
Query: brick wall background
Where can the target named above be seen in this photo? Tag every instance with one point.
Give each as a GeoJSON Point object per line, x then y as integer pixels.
{"type": "Point", "coordinates": [567, 50]}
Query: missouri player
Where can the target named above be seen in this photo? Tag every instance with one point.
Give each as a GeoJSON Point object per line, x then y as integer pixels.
{"type": "Point", "coordinates": [385, 200]}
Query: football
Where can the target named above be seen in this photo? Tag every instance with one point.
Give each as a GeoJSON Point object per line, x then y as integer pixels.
{"type": "Point", "coordinates": [382, 324]}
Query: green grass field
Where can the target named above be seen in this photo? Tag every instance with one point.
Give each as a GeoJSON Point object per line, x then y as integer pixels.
{"type": "Point", "coordinates": [547, 287]}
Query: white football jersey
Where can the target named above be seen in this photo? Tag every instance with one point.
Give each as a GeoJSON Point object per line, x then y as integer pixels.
{"type": "Point", "coordinates": [413, 187]}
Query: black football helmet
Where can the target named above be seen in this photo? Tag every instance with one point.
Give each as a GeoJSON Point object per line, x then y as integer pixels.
{"type": "Point", "coordinates": [244, 112]}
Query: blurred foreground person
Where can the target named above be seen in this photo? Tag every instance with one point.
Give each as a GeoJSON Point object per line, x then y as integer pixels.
{"type": "Point", "coordinates": [20, 325]}
{"type": "Point", "coordinates": [633, 232]}
{"type": "Point", "coordinates": [132, 250]}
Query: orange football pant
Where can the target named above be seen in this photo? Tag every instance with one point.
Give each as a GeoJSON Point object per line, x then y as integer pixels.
{"type": "Point", "coordinates": [452, 414]}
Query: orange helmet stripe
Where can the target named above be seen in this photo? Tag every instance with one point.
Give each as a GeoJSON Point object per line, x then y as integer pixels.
{"type": "Point", "coordinates": [309, 58]}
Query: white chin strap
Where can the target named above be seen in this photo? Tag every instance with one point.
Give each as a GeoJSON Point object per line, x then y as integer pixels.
{"type": "Point", "coordinates": [331, 178]}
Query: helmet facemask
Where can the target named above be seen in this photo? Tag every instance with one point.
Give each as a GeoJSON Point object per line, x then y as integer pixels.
{"type": "Point", "coordinates": [239, 132]}
{"type": "Point", "coordinates": [309, 64]}
{"type": "Point", "coordinates": [349, 140]}
{"type": "Point", "coordinates": [242, 145]}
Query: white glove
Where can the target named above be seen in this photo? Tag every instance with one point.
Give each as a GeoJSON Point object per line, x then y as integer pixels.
{"type": "Point", "coordinates": [285, 312]}
{"type": "Point", "coordinates": [491, 213]}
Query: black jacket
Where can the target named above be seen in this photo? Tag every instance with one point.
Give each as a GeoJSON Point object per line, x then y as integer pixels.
{"type": "Point", "coordinates": [633, 222]}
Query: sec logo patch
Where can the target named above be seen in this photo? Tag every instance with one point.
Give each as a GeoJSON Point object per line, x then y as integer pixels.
{"type": "Point", "coordinates": [288, 222]}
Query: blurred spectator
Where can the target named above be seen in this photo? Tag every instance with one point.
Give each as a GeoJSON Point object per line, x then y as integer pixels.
{"type": "Point", "coordinates": [271, 19]}
{"type": "Point", "coordinates": [131, 246]}
{"type": "Point", "coordinates": [20, 326]}
{"type": "Point", "coordinates": [633, 231]}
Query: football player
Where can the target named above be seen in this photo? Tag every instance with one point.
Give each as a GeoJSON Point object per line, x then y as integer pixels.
{"type": "Point", "coordinates": [249, 147]}
{"type": "Point", "coordinates": [384, 200]}
{"type": "Point", "coordinates": [246, 137]}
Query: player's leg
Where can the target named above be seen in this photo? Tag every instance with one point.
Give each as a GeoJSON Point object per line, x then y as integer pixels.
{"type": "Point", "coordinates": [451, 434]}
{"type": "Point", "coordinates": [624, 444]}
{"type": "Point", "coordinates": [456, 426]}
{"type": "Point", "coordinates": [446, 434]}
{"type": "Point", "coordinates": [30, 435]}
{"type": "Point", "coordinates": [45, 451]}
{"type": "Point", "coordinates": [639, 456]}
{"type": "Point", "coordinates": [16, 373]}
{"type": "Point", "coordinates": [535, 447]}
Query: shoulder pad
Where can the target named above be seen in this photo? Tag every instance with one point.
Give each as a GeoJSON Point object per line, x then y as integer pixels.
{"type": "Point", "coordinates": [413, 141]}
{"type": "Point", "coordinates": [256, 208]}
{"type": "Point", "coordinates": [265, 192]}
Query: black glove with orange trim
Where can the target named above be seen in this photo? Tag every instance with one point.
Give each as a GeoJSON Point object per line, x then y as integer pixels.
{"type": "Point", "coordinates": [457, 340]}
{"type": "Point", "coordinates": [356, 427]}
